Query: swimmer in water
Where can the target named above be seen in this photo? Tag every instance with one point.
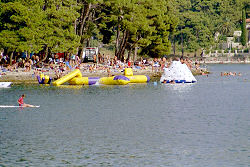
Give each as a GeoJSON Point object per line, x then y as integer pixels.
{"type": "Point", "coordinates": [172, 82]}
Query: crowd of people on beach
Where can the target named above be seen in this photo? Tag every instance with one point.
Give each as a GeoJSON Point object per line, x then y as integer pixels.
{"type": "Point", "coordinates": [62, 63]}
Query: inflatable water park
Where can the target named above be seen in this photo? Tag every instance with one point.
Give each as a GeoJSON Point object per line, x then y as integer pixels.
{"type": "Point", "coordinates": [75, 78]}
{"type": "Point", "coordinates": [177, 73]}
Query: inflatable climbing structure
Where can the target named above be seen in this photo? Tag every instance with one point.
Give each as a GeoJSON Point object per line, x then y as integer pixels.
{"type": "Point", "coordinates": [177, 73]}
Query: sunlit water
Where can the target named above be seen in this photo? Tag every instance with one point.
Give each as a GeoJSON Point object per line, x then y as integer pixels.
{"type": "Point", "coordinates": [204, 124]}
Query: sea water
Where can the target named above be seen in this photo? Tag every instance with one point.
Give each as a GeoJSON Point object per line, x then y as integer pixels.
{"type": "Point", "coordinates": [202, 124]}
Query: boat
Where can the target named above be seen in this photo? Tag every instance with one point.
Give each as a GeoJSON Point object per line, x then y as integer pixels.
{"type": "Point", "coordinates": [5, 84]}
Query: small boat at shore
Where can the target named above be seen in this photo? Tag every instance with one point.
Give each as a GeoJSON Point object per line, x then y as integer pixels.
{"type": "Point", "coordinates": [5, 84]}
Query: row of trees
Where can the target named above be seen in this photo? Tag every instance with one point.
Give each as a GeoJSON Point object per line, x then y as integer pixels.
{"type": "Point", "coordinates": [67, 26]}
{"type": "Point", "coordinates": [51, 26]}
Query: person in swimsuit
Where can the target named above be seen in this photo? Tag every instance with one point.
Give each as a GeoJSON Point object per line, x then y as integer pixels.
{"type": "Point", "coordinates": [21, 103]}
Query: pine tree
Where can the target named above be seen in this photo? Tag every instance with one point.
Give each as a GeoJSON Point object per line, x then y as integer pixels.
{"type": "Point", "coordinates": [86, 26]}
{"type": "Point", "coordinates": [37, 25]}
{"type": "Point", "coordinates": [243, 28]}
{"type": "Point", "coordinates": [135, 23]}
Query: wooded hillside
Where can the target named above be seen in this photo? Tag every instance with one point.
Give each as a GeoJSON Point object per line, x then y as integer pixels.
{"type": "Point", "coordinates": [144, 26]}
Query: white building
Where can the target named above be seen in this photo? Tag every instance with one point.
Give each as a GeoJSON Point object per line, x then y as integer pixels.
{"type": "Point", "coordinates": [235, 41]}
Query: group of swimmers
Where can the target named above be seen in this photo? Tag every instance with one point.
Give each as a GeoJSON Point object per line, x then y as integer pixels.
{"type": "Point", "coordinates": [230, 74]}
{"type": "Point", "coordinates": [171, 82]}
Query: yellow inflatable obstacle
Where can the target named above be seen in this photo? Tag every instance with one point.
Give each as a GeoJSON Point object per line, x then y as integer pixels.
{"type": "Point", "coordinates": [115, 80]}
{"type": "Point", "coordinates": [43, 79]}
{"type": "Point", "coordinates": [68, 77]}
{"type": "Point", "coordinates": [84, 80]}
{"type": "Point", "coordinates": [138, 79]}
{"type": "Point", "coordinates": [79, 81]}
{"type": "Point", "coordinates": [128, 72]}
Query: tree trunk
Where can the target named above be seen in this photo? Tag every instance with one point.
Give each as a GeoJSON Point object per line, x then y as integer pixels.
{"type": "Point", "coordinates": [84, 15]}
{"type": "Point", "coordinates": [80, 50]}
{"type": "Point", "coordinates": [11, 57]}
{"type": "Point", "coordinates": [45, 57]}
{"type": "Point", "coordinates": [75, 25]}
{"type": "Point", "coordinates": [135, 54]}
{"type": "Point", "coordinates": [122, 45]}
{"type": "Point", "coordinates": [117, 40]}
{"type": "Point", "coordinates": [27, 55]}
{"type": "Point", "coordinates": [182, 49]}
{"type": "Point", "coordinates": [129, 53]}
{"type": "Point", "coordinates": [88, 43]}
{"type": "Point", "coordinates": [174, 46]}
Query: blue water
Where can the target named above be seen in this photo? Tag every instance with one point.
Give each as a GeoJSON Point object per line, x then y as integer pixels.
{"type": "Point", "coordinates": [204, 124]}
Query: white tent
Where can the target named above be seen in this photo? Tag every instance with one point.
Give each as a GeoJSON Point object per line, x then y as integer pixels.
{"type": "Point", "coordinates": [178, 72]}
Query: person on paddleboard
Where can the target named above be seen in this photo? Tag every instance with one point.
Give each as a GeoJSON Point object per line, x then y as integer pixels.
{"type": "Point", "coordinates": [21, 103]}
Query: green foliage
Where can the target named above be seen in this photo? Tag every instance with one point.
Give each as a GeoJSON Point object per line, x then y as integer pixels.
{"type": "Point", "coordinates": [201, 19]}
{"type": "Point", "coordinates": [145, 24]}
{"type": "Point", "coordinates": [246, 50]}
{"type": "Point", "coordinates": [243, 28]}
{"type": "Point", "coordinates": [223, 38]}
{"type": "Point", "coordinates": [35, 25]}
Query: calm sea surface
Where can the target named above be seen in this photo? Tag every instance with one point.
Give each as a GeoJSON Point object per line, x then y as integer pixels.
{"type": "Point", "coordinates": [201, 125]}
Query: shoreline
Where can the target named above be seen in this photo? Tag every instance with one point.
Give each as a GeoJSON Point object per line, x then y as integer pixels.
{"type": "Point", "coordinates": [29, 77]}
{"type": "Point", "coordinates": [225, 62]}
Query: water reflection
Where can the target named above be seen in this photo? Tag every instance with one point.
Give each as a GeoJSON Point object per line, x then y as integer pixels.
{"type": "Point", "coordinates": [72, 86]}
{"type": "Point", "coordinates": [179, 87]}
